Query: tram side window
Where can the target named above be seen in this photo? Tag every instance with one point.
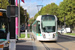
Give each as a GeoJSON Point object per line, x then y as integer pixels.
{"type": "Point", "coordinates": [38, 27]}
{"type": "Point", "coordinates": [2, 25]}
{"type": "Point", "coordinates": [34, 27]}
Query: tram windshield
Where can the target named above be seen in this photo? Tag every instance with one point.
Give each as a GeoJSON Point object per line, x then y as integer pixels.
{"type": "Point", "coordinates": [48, 17]}
{"type": "Point", "coordinates": [48, 23]}
{"type": "Point", "coordinates": [49, 29]}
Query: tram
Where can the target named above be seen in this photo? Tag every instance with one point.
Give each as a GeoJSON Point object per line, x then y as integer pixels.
{"type": "Point", "coordinates": [3, 26]}
{"type": "Point", "coordinates": [45, 28]}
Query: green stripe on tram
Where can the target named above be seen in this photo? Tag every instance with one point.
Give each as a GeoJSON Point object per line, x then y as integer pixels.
{"type": "Point", "coordinates": [34, 32]}
{"type": "Point", "coordinates": [38, 34]}
{"type": "Point", "coordinates": [34, 22]}
{"type": "Point", "coordinates": [2, 39]}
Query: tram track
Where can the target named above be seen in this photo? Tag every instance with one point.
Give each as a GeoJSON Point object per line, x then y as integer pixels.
{"type": "Point", "coordinates": [61, 43]}
{"type": "Point", "coordinates": [69, 39]}
{"type": "Point", "coordinates": [47, 48]}
{"type": "Point", "coordinates": [62, 46]}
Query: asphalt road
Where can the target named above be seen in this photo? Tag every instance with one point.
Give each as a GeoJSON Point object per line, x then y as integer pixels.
{"type": "Point", "coordinates": [64, 43]}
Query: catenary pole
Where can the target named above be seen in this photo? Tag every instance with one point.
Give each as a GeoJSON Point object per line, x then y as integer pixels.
{"type": "Point", "coordinates": [19, 20]}
{"type": "Point", "coordinates": [16, 21]}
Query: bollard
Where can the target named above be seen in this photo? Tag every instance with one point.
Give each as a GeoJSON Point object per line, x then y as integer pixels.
{"type": "Point", "coordinates": [12, 44]}
{"type": "Point", "coordinates": [25, 33]}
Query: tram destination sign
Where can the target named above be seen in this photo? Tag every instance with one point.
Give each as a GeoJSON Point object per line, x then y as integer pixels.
{"type": "Point", "coordinates": [1, 14]}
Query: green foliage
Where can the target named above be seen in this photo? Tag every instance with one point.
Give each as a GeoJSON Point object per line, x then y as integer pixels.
{"type": "Point", "coordinates": [4, 4]}
{"type": "Point", "coordinates": [23, 36]}
{"type": "Point", "coordinates": [23, 18]}
{"type": "Point", "coordinates": [27, 18]}
{"type": "Point", "coordinates": [64, 12]}
{"type": "Point", "coordinates": [48, 9]}
{"type": "Point", "coordinates": [73, 34]}
{"type": "Point", "coordinates": [67, 10]}
{"type": "Point", "coordinates": [31, 21]}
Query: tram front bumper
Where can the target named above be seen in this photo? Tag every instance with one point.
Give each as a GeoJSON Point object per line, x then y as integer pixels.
{"type": "Point", "coordinates": [47, 39]}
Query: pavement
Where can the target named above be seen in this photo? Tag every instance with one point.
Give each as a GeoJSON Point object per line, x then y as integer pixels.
{"type": "Point", "coordinates": [28, 44]}
{"type": "Point", "coordinates": [25, 44]}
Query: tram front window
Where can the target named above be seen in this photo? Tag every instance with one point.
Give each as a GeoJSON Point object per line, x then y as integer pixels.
{"type": "Point", "coordinates": [49, 29]}
{"type": "Point", "coordinates": [48, 17]}
{"type": "Point", "coordinates": [3, 28]}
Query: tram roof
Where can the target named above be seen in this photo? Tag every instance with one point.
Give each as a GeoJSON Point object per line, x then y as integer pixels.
{"type": "Point", "coordinates": [39, 18]}
{"type": "Point", "coordinates": [2, 10]}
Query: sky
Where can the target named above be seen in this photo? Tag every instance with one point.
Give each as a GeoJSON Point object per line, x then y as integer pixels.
{"type": "Point", "coordinates": [31, 5]}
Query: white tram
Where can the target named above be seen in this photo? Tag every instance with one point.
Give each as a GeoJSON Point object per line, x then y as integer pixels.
{"type": "Point", "coordinates": [45, 28]}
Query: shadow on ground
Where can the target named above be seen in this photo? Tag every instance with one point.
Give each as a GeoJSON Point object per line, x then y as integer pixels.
{"type": "Point", "coordinates": [20, 41]}
{"type": "Point", "coordinates": [24, 47]}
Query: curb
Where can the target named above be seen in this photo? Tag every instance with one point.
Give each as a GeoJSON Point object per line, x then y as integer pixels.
{"type": "Point", "coordinates": [24, 38]}
{"type": "Point", "coordinates": [69, 35]}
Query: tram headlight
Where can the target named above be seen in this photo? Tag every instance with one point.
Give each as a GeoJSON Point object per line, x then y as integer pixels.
{"type": "Point", "coordinates": [44, 36]}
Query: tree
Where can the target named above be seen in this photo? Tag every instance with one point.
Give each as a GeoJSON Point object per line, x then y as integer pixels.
{"type": "Point", "coordinates": [27, 18]}
{"type": "Point", "coordinates": [67, 10]}
{"type": "Point", "coordinates": [48, 9]}
{"type": "Point", "coordinates": [23, 18]}
{"type": "Point", "coordinates": [31, 20]}
{"type": "Point", "coordinates": [4, 4]}
{"type": "Point", "coordinates": [51, 9]}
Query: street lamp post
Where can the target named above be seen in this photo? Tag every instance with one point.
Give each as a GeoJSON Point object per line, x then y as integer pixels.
{"type": "Point", "coordinates": [38, 7]}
